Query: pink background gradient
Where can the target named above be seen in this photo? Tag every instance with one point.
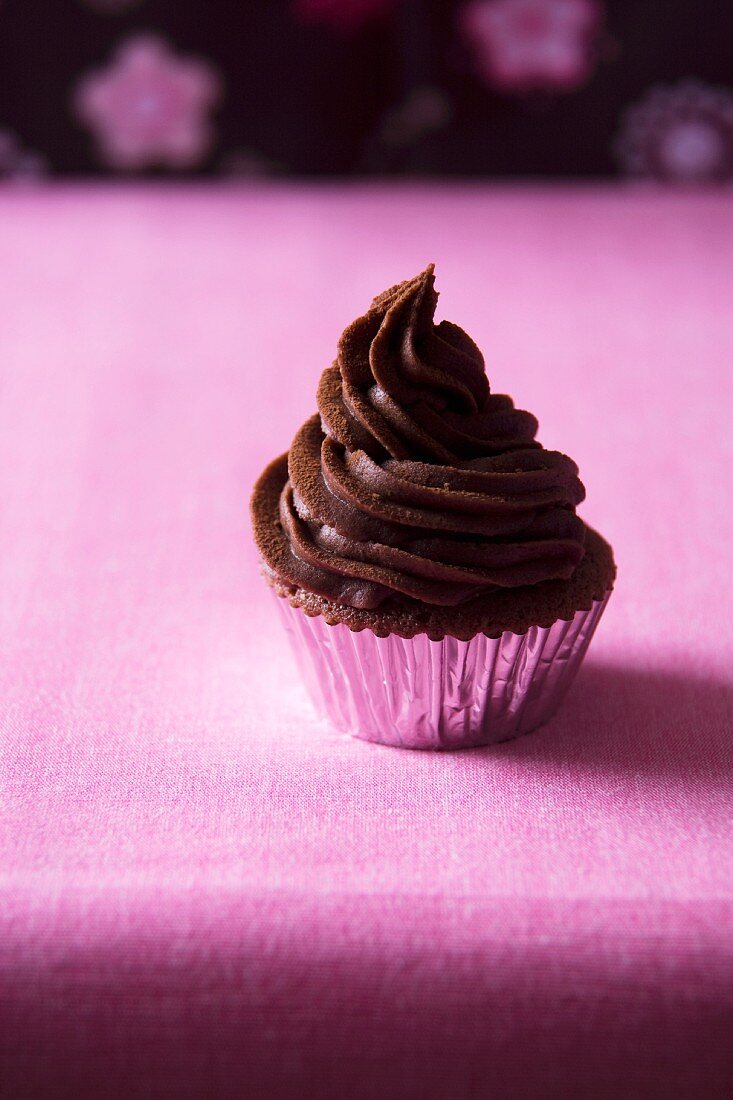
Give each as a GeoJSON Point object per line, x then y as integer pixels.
{"type": "Point", "coordinates": [206, 891]}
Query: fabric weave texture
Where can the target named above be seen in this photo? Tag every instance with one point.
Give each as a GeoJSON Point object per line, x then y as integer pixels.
{"type": "Point", "coordinates": [206, 891]}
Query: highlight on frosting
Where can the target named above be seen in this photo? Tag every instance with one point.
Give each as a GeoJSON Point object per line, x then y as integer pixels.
{"type": "Point", "coordinates": [414, 480]}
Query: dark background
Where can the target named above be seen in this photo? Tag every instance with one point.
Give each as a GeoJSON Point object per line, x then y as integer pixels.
{"type": "Point", "coordinates": [307, 96]}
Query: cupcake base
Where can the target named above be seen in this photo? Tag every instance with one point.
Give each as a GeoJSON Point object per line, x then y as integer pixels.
{"type": "Point", "coordinates": [419, 693]}
{"type": "Point", "coordinates": [417, 675]}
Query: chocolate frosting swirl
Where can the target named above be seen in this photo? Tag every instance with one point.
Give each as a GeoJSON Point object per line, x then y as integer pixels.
{"type": "Point", "coordinates": [416, 481]}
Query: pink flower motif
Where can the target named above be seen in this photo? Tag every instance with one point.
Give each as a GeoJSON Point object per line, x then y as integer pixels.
{"type": "Point", "coordinates": [346, 15]}
{"type": "Point", "coordinates": [17, 164]}
{"type": "Point", "coordinates": [424, 111]}
{"type": "Point", "coordinates": [521, 45]}
{"type": "Point", "coordinates": [149, 107]}
{"type": "Point", "coordinates": [682, 133]}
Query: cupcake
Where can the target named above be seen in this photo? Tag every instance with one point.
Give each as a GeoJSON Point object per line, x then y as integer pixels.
{"type": "Point", "coordinates": [423, 548]}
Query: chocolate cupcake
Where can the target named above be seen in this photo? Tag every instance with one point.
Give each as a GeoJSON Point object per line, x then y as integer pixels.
{"type": "Point", "coordinates": [439, 588]}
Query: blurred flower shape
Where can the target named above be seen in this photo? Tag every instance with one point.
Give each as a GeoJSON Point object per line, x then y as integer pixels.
{"type": "Point", "coordinates": [525, 45]}
{"type": "Point", "coordinates": [17, 164]}
{"type": "Point", "coordinates": [681, 133]}
{"type": "Point", "coordinates": [149, 106]}
{"type": "Point", "coordinates": [424, 111]}
{"type": "Point", "coordinates": [347, 15]}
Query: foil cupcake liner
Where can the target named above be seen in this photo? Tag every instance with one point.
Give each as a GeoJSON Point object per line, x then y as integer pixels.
{"type": "Point", "coordinates": [419, 694]}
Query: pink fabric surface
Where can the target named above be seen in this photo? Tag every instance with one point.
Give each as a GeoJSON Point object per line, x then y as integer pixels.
{"type": "Point", "coordinates": [205, 890]}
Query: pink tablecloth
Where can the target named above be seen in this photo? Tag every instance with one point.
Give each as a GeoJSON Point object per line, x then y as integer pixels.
{"type": "Point", "coordinates": [205, 890]}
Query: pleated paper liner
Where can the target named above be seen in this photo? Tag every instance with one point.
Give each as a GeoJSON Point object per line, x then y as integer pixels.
{"type": "Point", "coordinates": [419, 694]}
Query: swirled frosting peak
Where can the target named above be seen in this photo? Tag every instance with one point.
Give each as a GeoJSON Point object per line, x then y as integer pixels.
{"type": "Point", "coordinates": [415, 481]}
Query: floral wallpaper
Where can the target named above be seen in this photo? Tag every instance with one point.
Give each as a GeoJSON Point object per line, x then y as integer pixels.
{"type": "Point", "coordinates": [226, 88]}
{"type": "Point", "coordinates": [149, 106]}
